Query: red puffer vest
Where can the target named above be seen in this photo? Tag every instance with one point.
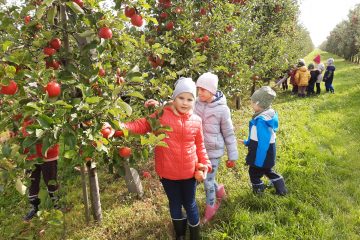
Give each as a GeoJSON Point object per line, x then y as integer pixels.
{"type": "Point", "coordinates": [185, 144]}
{"type": "Point", "coordinates": [51, 154]}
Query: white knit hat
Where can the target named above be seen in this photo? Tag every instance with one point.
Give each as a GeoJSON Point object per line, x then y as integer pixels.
{"type": "Point", "coordinates": [330, 61]}
{"type": "Point", "coordinates": [184, 85]}
{"type": "Point", "coordinates": [208, 81]}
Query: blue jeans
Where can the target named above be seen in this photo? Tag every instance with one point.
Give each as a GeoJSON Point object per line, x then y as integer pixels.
{"type": "Point", "coordinates": [210, 183]}
{"type": "Point", "coordinates": [328, 86]}
{"type": "Point", "coordinates": [181, 193]}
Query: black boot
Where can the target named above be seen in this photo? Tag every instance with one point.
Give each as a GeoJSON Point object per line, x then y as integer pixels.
{"type": "Point", "coordinates": [258, 188]}
{"type": "Point", "coordinates": [280, 187]}
{"type": "Point", "coordinates": [195, 232]}
{"type": "Point", "coordinates": [34, 209]}
{"type": "Point", "coordinates": [180, 228]}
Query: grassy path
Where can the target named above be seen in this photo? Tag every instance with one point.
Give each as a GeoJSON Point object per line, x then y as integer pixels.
{"type": "Point", "coordinates": [318, 155]}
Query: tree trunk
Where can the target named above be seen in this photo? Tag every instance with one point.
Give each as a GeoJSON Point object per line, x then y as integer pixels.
{"type": "Point", "coordinates": [94, 191]}
{"type": "Point", "coordinates": [237, 102]}
{"type": "Point", "coordinates": [133, 181]}
{"type": "Point", "coordinates": [85, 194]}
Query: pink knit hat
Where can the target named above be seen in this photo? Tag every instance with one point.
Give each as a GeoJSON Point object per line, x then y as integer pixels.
{"type": "Point", "coordinates": [317, 59]}
{"type": "Point", "coordinates": [208, 81]}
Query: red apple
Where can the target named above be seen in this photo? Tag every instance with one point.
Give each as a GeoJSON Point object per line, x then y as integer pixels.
{"type": "Point", "coordinates": [178, 10]}
{"type": "Point", "coordinates": [205, 38]}
{"type": "Point", "coordinates": [125, 152]}
{"type": "Point", "coordinates": [79, 2]}
{"type": "Point", "coordinates": [169, 26]}
{"type": "Point", "coordinates": [102, 72]}
{"type": "Point", "coordinates": [198, 40]}
{"type": "Point", "coordinates": [137, 20]}
{"type": "Point", "coordinates": [27, 19]}
{"type": "Point", "coordinates": [105, 33]}
{"type": "Point", "coordinates": [230, 164]}
{"type": "Point", "coordinates": [202, 11]}
{"type": "Point", "coordinates": [118, 133]}
{"type": "Point", "coordinates": [10, 89]}
{"type": "Point", "coordinates": [106, 132]}
{"type": "Point", "coordinates": [49, 51]}
{"type": "Point", "coordinates": [164, 15]}
{"type": "Point", "coordinates": [53, 89]}
{"type": "Point", "coordinates": [146, 174]}
{"type": "Point", "coordinates": [129, 12]}
{"type": "Point", "coordinates": [55, 43]}
{"type": "Point", "coordinates": [53, 64]}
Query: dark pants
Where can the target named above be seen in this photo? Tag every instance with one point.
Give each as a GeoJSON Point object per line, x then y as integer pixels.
{"type": "Point", "coordinates": [310, 88]}
{"type": "Point", "coordinates": [257, 173]}
{"type": "Point", "coordinates": [49, 173]}
{"type": "Point", "coordinates": [181, 193]}
{"type": "Point", "coordinates": [294, 89]}
{"type": "Point", "coordinates": [328, 86]}
{"type": "Point", "coordinates": [318, 89]}
{"type": "Point", "coordinates": [285, 85]}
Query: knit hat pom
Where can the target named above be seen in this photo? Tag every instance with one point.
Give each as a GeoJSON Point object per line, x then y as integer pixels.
{"type": "Point", "coordinates": [208, 81]}
{"type": "Point", "coordinates": [263, 97]}
{"type": "Point", "coordinates": [317, 59]}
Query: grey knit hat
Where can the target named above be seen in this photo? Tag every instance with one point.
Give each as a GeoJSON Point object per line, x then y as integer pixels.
{"type": "Point", "coordinates": [184, 85]}
{"type": "Point", "coordinates": [263, 97]}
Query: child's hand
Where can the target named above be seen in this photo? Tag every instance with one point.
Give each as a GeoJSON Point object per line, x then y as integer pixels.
{"type": "Point", "coordinates": [107, 131]}
{"type": "Point", "coordinates": [242, 141]}
{"type": "Point", "coordinates": [199, 176]}
{"type": "Point", "coordinates": [230, 163]}
{"type": "Point", "coordinates": [151, 103]}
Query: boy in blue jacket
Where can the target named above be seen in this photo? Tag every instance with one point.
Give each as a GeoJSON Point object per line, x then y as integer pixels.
{"type": "Point", "coordinates": [261, 142]}
{"type": "Point", "coordinates": [329, 75]}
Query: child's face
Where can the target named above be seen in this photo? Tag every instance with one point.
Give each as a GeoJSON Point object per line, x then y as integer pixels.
{"type": "Point", "coordinates": [184, 102]}
{"type": "Point", "coordinates": [204, 95]}
{"type": "Point", "coordinates": [255, 107]}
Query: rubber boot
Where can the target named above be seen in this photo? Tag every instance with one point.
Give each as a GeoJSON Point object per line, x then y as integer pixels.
{"type": "Point", "coordinates": [210, 212]}
{"type": "Point", "coordinates": [220, 193]}
{"type": "Point", "coordinates": [180, 228]}
{"type": "Point", "coordinates": [280, 187]}
{"type": "Point", "coordinates": [258, 188]}
{"type": "Point", "coordinates": [34, 209]}
{"type": "Point", "coordinates": [195, 232]}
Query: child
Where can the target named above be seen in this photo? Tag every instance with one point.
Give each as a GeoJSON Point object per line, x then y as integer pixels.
{"type": "Point", "coordinates": [314, 74]}
{"type": "Point", "coordinates": [329, 75]}
{"type": "Point", "coordinates": [175, 164]}
{"type": "Point", "coordinates": [218, 132]}
{"type": "Point", "coordinates": [261, 142]}
{"type": "Point", "coordinates": [48, 169]}
{"type": "Point", "coordinates": [302, 78]}
{"type": "Point", "coordinates": [321, 68]}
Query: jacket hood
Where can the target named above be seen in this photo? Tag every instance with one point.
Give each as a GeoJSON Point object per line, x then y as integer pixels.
{"type": "Point", "coordinates": [219, 99]}
{"type": "Point", "coordinates": [303, 69]}
{"type": "Point", "coordinates": [270, 117]}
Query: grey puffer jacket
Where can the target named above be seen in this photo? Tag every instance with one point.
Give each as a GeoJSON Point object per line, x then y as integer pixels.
{"type": "Point", "coordinates": [217, 127]}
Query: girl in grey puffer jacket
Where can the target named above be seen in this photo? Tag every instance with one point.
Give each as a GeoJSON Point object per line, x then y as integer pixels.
{"type": "Point", "coordinates": [218, 132]}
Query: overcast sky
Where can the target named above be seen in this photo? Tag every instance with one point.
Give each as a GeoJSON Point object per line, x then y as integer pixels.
{"type": "Point", "coordinates": [321, 16]}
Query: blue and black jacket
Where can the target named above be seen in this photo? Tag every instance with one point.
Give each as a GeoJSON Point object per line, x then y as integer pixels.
{"type": "Point", "coordinates": [261, 140]}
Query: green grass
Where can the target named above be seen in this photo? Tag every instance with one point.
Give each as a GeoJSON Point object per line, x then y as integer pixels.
{"type": "Point", "coordinates": [318, 155]}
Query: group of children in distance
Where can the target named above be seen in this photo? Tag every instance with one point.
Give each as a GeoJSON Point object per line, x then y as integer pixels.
{"type": "Point", "coordinates": [305, 79]}
{"type": "Point", "coordinates": [201, 128]}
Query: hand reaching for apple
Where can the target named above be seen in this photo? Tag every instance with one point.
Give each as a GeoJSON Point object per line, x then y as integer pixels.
{"type": "Point", "coordinates": [107, 131]}
{"type": "Point", "coordinates": [200, 172]}
{"type": "Point", "coordinates": [151, 103]}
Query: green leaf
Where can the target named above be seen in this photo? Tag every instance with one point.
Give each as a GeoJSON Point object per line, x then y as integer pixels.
{"type": "Point", "coordinates": [45, 121]}
{"type": "Point", "coordinates": [162, 144]}
{"type": "Point", "coordinates": [46, 144]}
{"type": "Point", "coordinates": [48, 2]}
{"type": "Point", "coordinates": [32, 105]}
{"type": "Point", "coordinates": [70, 140]}
{"type": "Point", "coordinates": [29, 141]}
{"type": "Point", "coordinates": [136, 94]}
{"type": "Point", "coordinates": [92, 100]}
{"type": "Point", "coordinates": [125, 107]}
{"type": "Point", "coordinates": [51, 15]}
{"type": "Point", "coordinates": [71, 154]}
{"type": "Point", "coordinates": [40, 12]}
{"type": "Point", "coordinates": [6, 45]}
{"type": "Point", "coordinates": [63, 104]}
{"type": "Point", "coordinates": [76, 8]}
{"type": "Point", "coordinates": [6, 150]}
